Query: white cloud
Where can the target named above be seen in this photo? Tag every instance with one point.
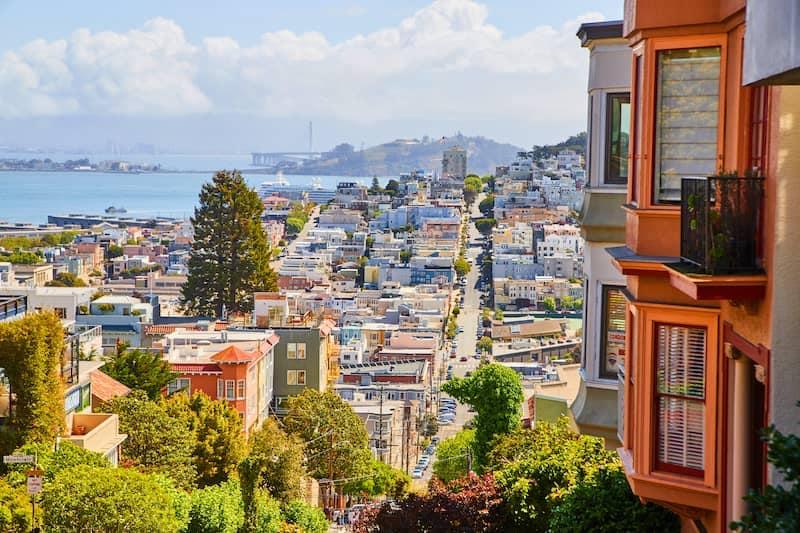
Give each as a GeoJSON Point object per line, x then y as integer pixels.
{"type": "Point", "coordinates": [445, 61]}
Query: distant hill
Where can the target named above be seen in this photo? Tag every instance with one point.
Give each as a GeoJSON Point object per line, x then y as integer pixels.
{"type": "Point", "coordinates": [405, 155]}
{"type": "Point", "coordinates": [576, 143]}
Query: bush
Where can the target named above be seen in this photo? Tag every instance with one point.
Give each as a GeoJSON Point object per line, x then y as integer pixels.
{"type": "Point", "coordinates": [15, 509]}
{"type": "Point", "coordinates": [310, 519]}
{"type": "Point", "coordinates": [86, 498]}
{"type": "Point", "coordinates": [216, 509]}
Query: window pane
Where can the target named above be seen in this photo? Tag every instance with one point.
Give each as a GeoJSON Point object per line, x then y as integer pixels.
{"type": "Point", "coordinates": [240, 389]}
{"type": "Point", "coordinates": [301, 350]}
{"type": "Point", "coordinates": [687, 112]}
{"type": "Point", "coordinates": [301, 377]}
{"type": "Point", "coordinates": [680, 387]}
{"type": "Point", "coordinates": [291, 377]}
{"type": "Point", "coordinates": [291, 350]}
{"type": "Point", "coordinates": [613, 341]}
{"type": "Point", "coordinates": [618, 120]}
{"type": "Point", "coordinates": [230, 389]}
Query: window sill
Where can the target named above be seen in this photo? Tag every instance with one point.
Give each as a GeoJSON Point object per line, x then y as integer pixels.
{"type": "Point", "coordinates": [690, 494]}
{"type": "Point", "coordinates": [718, 287]}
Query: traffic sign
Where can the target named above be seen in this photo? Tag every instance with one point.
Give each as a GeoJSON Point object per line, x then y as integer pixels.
{"type": "Point", "coordinates": [18, 459]}
{"type": "Point", "coordinates": [34, 484]}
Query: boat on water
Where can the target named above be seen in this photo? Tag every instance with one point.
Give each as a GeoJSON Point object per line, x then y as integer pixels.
{"type": "Point", "coordinates": [280, 186]}
{"type": "Point", "coordinates": [114, 210]}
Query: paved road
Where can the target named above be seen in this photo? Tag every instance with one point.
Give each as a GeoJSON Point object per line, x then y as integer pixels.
{"type": "Point", "coordinates": [468, 320]}
{"type": "Point", "coordinates": [276, 264]}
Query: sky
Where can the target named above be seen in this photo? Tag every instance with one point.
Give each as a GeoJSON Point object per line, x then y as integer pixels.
{"type": "Point", "coordinates": [248, 75]}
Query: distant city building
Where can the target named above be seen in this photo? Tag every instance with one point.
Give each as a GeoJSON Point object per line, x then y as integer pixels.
{"type": "Point", "coordinates": [454, 163]}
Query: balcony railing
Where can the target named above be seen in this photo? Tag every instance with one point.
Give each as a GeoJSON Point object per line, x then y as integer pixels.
{"type": "Point", "coordinates": [721, 219]}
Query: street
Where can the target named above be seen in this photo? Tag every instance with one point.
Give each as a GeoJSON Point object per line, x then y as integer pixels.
{"type": "Point", "coordinates": [467, 321]}
{"type": "Point", "coordinates": [289, 250]}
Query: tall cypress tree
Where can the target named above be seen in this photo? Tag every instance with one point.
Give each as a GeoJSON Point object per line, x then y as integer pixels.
{"type": "Point", "coordinates": [230, 254]}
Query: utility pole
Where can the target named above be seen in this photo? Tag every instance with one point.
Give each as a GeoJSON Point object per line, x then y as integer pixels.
{"type": "Point", "coordinates": [469, 459]}
{"type": "Point", "coordinates": [330, 472]}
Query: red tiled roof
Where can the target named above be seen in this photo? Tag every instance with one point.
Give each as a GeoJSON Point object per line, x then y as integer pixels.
{"type": "Point", "coordinates": [233, 354]}
{"type": "Point", "coordinates": [105, 387]}
{"type": "Point", "coordinates": [184, 368]}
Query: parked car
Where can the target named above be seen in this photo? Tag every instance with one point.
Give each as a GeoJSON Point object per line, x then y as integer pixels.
{"type": "Point", "coordinates": [416, 474]}
{"type": "Point", "coordinates": [463, 359]}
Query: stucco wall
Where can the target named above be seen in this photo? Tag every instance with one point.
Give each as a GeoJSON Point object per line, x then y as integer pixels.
{"type": "Point", "coordinates": [785, 362]}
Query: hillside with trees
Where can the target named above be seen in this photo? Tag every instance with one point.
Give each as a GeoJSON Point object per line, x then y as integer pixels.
{"type": "Point", "coordinates": [404, 155]}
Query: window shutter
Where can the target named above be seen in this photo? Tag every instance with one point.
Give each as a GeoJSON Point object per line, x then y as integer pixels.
{"type": "Point", "coordinates": [680, 377]}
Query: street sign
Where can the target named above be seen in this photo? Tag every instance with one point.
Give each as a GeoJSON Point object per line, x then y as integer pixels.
{"type": "Point", "coordinates": [18, 459]}
{"type": "Point", "coordinates": [34, 484]}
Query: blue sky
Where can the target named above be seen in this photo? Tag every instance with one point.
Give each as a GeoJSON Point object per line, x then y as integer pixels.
{"type": "Point", "coordinates": [365, 71]}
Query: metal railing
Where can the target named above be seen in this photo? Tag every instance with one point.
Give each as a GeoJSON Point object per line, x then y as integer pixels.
{"type": "Point", "coordinates": [721, 223]}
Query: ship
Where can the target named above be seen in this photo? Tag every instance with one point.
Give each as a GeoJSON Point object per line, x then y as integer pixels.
{"type": "Point", "coordinates": [281, 187]}
{"type": "Point", "coordinates": [114, 210]}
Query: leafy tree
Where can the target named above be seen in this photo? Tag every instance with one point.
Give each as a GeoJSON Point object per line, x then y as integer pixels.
{"type": "Point", "coordinates": [604, 503]}
{"type": "Point", "coordinates": [216, 509]}
{"type": "Point", "coordinates": [428, 425]}
{"type": "Point", "coordinates": [310, 519]}
{"type": "Point", "coordinates": [777, 507]}
{"type": "Point", "coordinates": [382, 479]}
{"type": "Point", "coordinates": [52, 462]}
{"type": "Point", "coordinates": [66, 279]}
{"type": "Point", "coordinates": [139, 369]}
{"type": "Point", "coordinates": [375, 188]}
{"type": "Point", "coordinates": [294, 225]}
{"type": "Point", "coordinates": [462, 267]}
{"type": "Point", "coordinates": [157, 442]}
{"type": "Point", "coordinates": [498, 314]}
{"type": "Point", "coordinates": [23, 258]}
{"type": "Point", "coordinates": [230, 254]}
{"type": "Point", "coordinates": [472, 186]}
{"type": "Point", "coordinates": [114, 250]}
{"type": "Point", "coordinates": [15, 508]}
{"type": "Point", "coordinates": [218, 432]}
{"type": "Point", "coordinates": [405, 256]}
{"type": "Point", "coordinates": [87, 498]}
{"type": "Point", "coordinates": [486, 205]}
{"type": "Point", "coordinates": [549, 303]}
{"type": "Point", "coordinates": [453, 456]}
{"type": "Point", "coordinates": [484, 344]}
{"type": "Point", "coordinates": [393, 187]}
{"type": "Point", "coordinates": [466, 505]}
{"type": "Point", "coordinates": [31, 351]}
{"type": "Point", "coordinates": [282, 458]}
{"type": "Point", "coordinates": [538, 470]}
{"type": "Point", "coordinates": [485, 225]}
{"type": "Point", "coordinates": [335, 437]}
{"type": "Point", "coordinates": [495, 392]}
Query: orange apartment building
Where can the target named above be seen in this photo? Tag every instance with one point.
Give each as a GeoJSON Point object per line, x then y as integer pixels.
{"type": "Point", "coordinates": [711, 250]}
{"type": "Point", "coordinates": [236, 366]}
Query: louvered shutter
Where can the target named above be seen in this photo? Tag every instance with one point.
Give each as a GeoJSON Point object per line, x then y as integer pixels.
{"type": "Point", "coordinates": [680, 391]}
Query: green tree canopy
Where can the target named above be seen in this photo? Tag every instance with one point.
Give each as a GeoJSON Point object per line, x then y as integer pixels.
{"type": "Point", "coordinates": [382, 479]}
{"type": "Point", "coordinates": [308, 518]}
{"type": "Point", "coordinates": [495, 392]}
{"type": "Point", "coordinates": [462, 267]}
{"type": "Point", "coordinates": [52, 462]}
{"type": "Point", "coordinates": [549, 303]}
{"type": "Point", "coordinates": [281, 455]}
{"type": "Point", "coordinates": [472, 186]}
{"type": "Point", "coordinates": [485, 225]}
{"type": "Point", "coordinates": [484, 344]}
{"type": "Point", "coordinates": [217, 428]}
{"type": "Point", "coordinates": [453, 454]}
{"type": "Point", "coordinates": [15, 508]}
{"type": "Point", "coordinates": [486, 205]}
{"type": "Point", "coordinates": [157, 442]}
{"type": "Point", "coordinates": [336, 440]}
{"type": "Point", "coordinates": [139, 369]}
{"type": "Point", "coordinates": [230, 255]}
{"type": "Point", "coordinates": [216, 509]}
{"type": "Point", "coordinates": [294, 225]}
{"type": "Point", "coordinates": [553, 479]}
{"type": "Point", "coordinates": [88, 498]}
{"type": "Point", "coordinates": [66, 279]}
{"type": "Point", "coordinates": [31, 351]}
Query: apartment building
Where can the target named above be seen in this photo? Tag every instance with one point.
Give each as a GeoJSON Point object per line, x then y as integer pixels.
{"type": "Point", "coordinates": [710, 254]}
{"type": "Point", "coordinates": [232, 365]}
{"type": "Point", "coordinates": [595, 410]}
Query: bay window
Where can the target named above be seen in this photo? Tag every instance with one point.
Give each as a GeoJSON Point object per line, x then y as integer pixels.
{"type": "Point", "coordinates": [612, 340]}
{"type": "Point", "coordinates": [680, 398]}
{"type": "Point", "coordinates": [686, 118]}
{"type": "Point", "coordinates": [618, 125]}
